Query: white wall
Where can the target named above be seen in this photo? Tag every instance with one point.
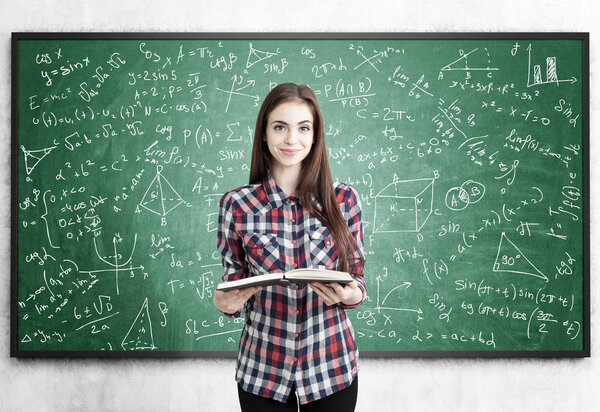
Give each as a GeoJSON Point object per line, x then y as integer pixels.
{"type": "Point", "coordinates": [207, 384]}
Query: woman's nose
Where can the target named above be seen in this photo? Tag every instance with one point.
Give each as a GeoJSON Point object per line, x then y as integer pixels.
{"type": "Point", "coordinates": [291, 138]}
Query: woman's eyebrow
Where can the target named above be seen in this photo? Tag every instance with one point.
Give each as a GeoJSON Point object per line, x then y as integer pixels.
{"type": "Point", "coordinates": [282, 122]}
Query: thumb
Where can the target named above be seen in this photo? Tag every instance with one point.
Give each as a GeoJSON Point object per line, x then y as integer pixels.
{"type": "Point", "coordinates": [353, 284]}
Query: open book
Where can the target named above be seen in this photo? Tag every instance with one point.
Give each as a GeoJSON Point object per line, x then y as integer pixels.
{"type": "Point", "coordinates": [293, 276]}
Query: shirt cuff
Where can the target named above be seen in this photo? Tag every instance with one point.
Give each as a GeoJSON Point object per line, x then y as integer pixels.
{"type": "Point", "coordinates": [364, 294]}
{"type": "Point", "coordinates": [232, 315]}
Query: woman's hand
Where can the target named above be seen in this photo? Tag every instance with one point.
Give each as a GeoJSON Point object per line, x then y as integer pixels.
{"type": "Point", "coordinates": [233, 300]}
{"type": "Point", "coordinates": [334, 293]}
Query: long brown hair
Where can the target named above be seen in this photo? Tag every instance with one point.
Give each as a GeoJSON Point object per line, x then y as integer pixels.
{"type": "Point", "coordinates": [316, 176]}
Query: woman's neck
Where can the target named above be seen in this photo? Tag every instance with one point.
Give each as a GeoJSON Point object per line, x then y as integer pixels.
{"type": "Point", "coordinates": [287, 179]}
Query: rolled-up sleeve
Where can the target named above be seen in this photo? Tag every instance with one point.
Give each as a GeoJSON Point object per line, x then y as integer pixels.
{"type": "Point", "coordinates": [230, 246]}
{"type": "Point", "coordinates": [353, 217]}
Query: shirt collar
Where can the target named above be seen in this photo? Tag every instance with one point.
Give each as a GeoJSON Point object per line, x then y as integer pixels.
{"type": "Point", "coordinates": [277, 196]}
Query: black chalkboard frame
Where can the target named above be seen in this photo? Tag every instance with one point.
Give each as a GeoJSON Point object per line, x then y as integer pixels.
{"type": "Point", "coordinates": [583, 36]}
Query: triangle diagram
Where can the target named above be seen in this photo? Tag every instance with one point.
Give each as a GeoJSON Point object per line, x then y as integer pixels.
{"type": "Point", "coordinates": [33, 157]}
{"type": "Point", "coordinates": [151, 199]}
{"type": "Point", "coordinates": [256, 56]}
{"type": "Point", "coordinates": [140, 332]}
{"type": "Point", "coordinates": [171, 198]}
{"type": "Point", "coordinates": [458, 62]}
{"type": "Point", "coordinates": [510, 259]}
{"type": "Point", "coordinates": [160, 197]}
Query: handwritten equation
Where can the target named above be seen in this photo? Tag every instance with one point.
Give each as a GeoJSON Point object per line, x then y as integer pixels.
{"type": "Point", "coordinates": [468, 156]}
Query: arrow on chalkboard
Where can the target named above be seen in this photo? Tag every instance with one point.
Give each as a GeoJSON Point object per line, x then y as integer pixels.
{"type": "Point", "coordinates": [419, 311]}
{"type": "Point", "coordinates": [403, 285]}
{"type": "Point", "coordinates": [550, 70]}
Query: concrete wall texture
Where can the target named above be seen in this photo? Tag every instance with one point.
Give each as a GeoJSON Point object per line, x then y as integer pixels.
{"type": "Point", "coordinates": [208, 384]}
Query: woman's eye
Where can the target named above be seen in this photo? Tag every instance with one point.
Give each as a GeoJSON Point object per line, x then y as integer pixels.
{"type": "Point", "coordinates": [305, 128]}
{"type": "Point", "coordinates": [278, 126]}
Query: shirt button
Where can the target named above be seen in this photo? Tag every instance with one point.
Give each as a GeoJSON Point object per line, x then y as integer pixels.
{"type": "Point", "coordinates": [295, 360]}
{"type": "Point", "coordinates": [295, 335]}
{"type": "Point", "coordinates": [294, 265]}
{"type": "Point", "coordinates": [297, 312]}
{"type": "Point", "coordinates": [293, 241]}
{"type": "Point", "coordinates": [295, 287]}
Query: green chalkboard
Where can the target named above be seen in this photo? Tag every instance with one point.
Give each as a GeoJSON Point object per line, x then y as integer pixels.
{"type": "Point", "coordinates": [469, 151]}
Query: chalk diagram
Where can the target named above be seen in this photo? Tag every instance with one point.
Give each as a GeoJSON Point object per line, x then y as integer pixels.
{"type": "Point", "coordinates": [457, 65]}
{"type": "Point", "coordinates": [256, 56]}
{"type": "Point", "coordinates": [160, 198]}
{"type": "Point", "coordinates": [396, 289]}
{"type": "Point", "coordinates": [398, 295]}
{"type": "Point", "coordinates": [115, 265]}
{"type": "Point", "coordinates": [238, 80]}
{"type": "Point", "coordinates": [469, 193]}
{"type": "Point", "coordinates": [510, 259]}
{"type": "Point", "coordinates": [403, 206]}
{"type": "Point", "coordinates": [551, 72]}
{"type": "Point", "coordinates": [34, 157]}
{"type": "Point", "coordinates": [140, 335]}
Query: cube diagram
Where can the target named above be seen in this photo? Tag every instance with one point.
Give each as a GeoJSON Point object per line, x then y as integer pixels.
{"type": "Point", "coordinates": [403, 206]}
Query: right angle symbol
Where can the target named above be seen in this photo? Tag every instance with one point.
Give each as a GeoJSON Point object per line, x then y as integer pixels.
{"type": "Point", "coordinates": [510, 259]}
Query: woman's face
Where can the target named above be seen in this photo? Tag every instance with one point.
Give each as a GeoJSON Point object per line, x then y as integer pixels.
{"type": "Point", "coordinates": [289, 134]}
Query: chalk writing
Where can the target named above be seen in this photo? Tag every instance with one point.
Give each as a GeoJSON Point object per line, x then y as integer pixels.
{"type": "Point", "coordinates": [468, 158]}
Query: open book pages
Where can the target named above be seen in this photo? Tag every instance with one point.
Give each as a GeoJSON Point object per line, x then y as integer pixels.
{"type": "Point", "coordinates": [317, 275]}
{"type": "Point", "coordinates": [294, 276]}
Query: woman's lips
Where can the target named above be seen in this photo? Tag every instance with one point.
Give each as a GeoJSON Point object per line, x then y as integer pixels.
{"type": "Point", "coordinates": [289, 152]}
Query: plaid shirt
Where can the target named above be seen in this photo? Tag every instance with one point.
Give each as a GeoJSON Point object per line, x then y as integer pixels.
{"type": "Point", "coordinates": [290, 335]}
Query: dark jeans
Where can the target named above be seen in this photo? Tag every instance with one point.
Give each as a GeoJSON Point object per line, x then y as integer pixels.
{"type": "Point", "coordinates": [341, 401]}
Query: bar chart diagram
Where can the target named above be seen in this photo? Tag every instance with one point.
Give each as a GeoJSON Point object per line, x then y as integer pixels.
{"type": "Point", "coordinates": [551, 72]}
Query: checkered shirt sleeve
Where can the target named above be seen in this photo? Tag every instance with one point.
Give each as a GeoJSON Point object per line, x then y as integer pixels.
{"type": "Point", "coordinates": [353, 216]}
{"type": "Point", "coordinates": [229, 244]}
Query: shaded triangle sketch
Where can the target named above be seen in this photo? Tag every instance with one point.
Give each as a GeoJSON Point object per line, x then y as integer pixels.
{"type": "Point", "coordinates": [510, 259]}
{"type": "Point", "coordinates": [140, 334]}
{"type": "Point", "coordinates": [33, 157]}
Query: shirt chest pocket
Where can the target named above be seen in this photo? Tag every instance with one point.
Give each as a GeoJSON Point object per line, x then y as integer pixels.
{"type": "Point", "coordinates": [262, 252]}
{"type": "Point", "coordinates": [323, 253]}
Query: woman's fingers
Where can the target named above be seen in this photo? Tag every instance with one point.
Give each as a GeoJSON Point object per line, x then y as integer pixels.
{"type": "Point", "coordinates": [328, 294]}
{"type": "Point", "coordinates": [333, 293]}
{"type": "Point", "coordinates": [231, 301]}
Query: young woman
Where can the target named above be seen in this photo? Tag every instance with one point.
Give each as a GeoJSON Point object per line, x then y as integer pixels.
{"type": "Point", "coordinates": [297, 340]}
